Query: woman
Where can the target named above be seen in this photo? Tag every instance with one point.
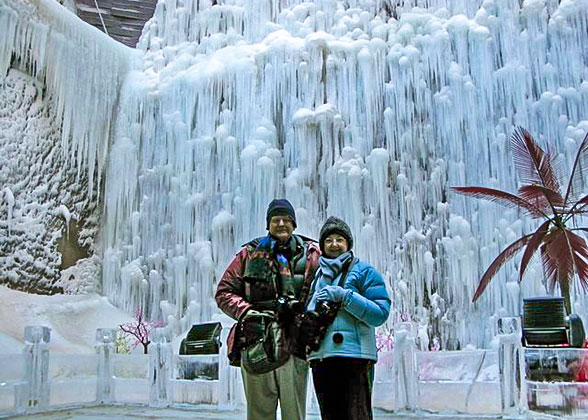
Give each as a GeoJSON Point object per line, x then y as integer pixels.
{"type": "Point", "coordinates": [342, 367]}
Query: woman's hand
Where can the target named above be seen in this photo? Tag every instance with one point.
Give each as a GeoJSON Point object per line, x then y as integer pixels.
{"type": "Point", "coordinates": [335, 294]}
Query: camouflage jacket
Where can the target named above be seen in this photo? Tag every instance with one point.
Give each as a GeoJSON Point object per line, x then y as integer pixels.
{"type": "Point", "coordinates": [231, 295]}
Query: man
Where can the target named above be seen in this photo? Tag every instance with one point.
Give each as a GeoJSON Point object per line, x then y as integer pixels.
{"type": "Point", "coordinates": [268, 274]}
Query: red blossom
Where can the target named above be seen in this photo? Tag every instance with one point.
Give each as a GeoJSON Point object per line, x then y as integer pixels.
{"type": "Point", "coordinates": [140, 329]}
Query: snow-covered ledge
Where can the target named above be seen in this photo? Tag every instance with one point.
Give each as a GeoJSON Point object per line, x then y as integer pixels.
{"type": "Point", "coordinates": [82, 68]}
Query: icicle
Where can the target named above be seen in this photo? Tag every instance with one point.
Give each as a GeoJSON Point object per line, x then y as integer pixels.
{"type": "Point", "coordinates": [57, 47]}
{"type": "Point", "coordinates": [223, 227]}
{"type": "Point", "coordinates": [9, 200]}
{"type": "Point", "coordinates": [347, 109]}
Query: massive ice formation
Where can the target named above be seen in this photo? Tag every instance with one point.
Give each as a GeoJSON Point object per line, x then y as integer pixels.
{"type": "Point", "coordinates": [37, 190]}
{"type": "Point", "coordinates": [59, 83]}
{"type": "Point", "coordinates": [368, 110]}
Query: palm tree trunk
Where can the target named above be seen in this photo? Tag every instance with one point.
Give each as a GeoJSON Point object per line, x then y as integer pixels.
{"type": "Point", "coordinates": [565, 293]}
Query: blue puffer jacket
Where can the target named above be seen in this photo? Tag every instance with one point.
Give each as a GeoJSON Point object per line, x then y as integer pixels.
{"type": "Point", "coordinates": [367, 308]}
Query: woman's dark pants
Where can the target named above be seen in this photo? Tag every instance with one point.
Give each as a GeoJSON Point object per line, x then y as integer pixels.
{"type": "Point", "coordinates": [343, 386]}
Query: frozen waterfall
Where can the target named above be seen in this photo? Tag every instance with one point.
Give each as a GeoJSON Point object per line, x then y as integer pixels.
{"type": "Point", "coordinates": [59, 85]}
{"type": "Point", "coordinates": [368, 110]}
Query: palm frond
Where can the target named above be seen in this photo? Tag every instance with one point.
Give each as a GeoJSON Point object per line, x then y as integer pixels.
{"type": "Point", "coordinates": [541, 197]}
{"type": "Point", "coordinates": [498, 262]}
{"type": "Point", "coordinates": [564, 253]}
{"type": "Point", "coordinates": [501, 197]}
{"type": "Point", "coordinates": [531, 163]}
{"type": "Point", "coordinates": [579, 206]}
{"type": "Point", "coordinates": [556, 264]}
{"type": "Point", "coordinates": [532, 247]}
{"type": "Point", "coordinates": [578, 245]}
{"type": "Point", "coordinates": [576, 184]}
{"type": "Point", "coordinates": [582, 229]}
{"type": "Point", "coordinates": [560, 166]}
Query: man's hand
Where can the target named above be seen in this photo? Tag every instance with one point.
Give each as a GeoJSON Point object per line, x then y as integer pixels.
{"type": "Point", "coordinates": [252, 313]}
{"type": "Point", "coordinates": [335, 294]}
{"type": "Point", "coordinates": [253, 325]}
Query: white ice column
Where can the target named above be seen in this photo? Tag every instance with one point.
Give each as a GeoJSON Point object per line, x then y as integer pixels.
{"type": "Point", "coordinates": [160, 369]}
{"type": "Point", "coordinates": [105, 338]}
{"type": "Point", "coordinates": [37, 365]}
{"type": "Point", "coordinates": [510, 364]}
{"type": "Point", "coordinates": [229, 378]}
{"type": "Point", "coordinates": [224, 370]}
{"type": "Point", "coordinates": [405, 370]}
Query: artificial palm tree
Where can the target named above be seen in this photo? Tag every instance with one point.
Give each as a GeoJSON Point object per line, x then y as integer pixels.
{"type": "Point", "coordinates": [563, 252]}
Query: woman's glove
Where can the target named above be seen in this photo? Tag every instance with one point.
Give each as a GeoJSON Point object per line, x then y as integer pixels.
{"type": "Point", "coordinates": [335, 294]}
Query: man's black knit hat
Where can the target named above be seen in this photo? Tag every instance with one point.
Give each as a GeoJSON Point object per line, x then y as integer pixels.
{"type": "Point", "coordinates": [335, 225]}
{"type": "Point", "coordinates": [280, 207]}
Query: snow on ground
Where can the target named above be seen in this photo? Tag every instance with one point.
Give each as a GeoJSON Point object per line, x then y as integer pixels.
{"type": "Point", "coordinates": [195, 413]}
{"type": "Point", "coordinates": [73, 319]}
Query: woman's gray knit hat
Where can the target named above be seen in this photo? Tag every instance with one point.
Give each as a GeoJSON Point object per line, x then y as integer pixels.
{"type": "Point", "coordinates": [335, 225]}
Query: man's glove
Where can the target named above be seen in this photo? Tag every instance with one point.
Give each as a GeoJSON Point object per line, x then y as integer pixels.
{"type": "Point", "coordinates": [253, 313]}
{"type": "Point", "coordinates": [335, 294]}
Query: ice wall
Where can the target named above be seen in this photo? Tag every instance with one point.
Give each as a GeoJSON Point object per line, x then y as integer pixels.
{"type": "Point", "coordinates": [81, 68]}
{"type": "Point", "coordinates": [368, 110]}
{"type": "Point", "coordinates": [36, 189]}
{"type": "Point", "coordinates": [59, 83]}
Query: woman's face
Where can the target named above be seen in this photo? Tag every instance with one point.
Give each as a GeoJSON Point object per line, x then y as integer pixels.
{"type": "Point", "coordinates": [335, 245]}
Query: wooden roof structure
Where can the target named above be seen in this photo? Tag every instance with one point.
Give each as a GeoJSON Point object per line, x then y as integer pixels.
{"type": "Point", "coordinates": [123, 19]}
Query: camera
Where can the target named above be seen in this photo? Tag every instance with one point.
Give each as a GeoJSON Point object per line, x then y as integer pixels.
{"type": "Point", "coordinates": [327, 309]}
{"type": "Point", "coordinates": [317, 322]}
{"type": "Point", "coordinates": [287, 309]}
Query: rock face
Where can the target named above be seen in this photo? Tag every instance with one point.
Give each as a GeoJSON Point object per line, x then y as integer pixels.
{"type": "Point", "coordinates": [59, 84]}
{"type": "Point", "coordinates": [41, 192]}
{"type": "Point", "coordinates": [124, 19]}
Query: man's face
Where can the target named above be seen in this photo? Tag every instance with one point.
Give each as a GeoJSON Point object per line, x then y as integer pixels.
{"type": "Point", "coordinates": [281, 227]}
{"type": "Point", "coordinates": [335, 245]}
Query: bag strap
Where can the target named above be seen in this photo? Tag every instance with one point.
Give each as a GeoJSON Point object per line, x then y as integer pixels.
{"type": "Point", "coordinates": [346, 268]}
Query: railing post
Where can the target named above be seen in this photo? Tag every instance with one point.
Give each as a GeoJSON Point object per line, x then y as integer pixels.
{"type": "Point", "coordinates": [225, 373]}
{"type": "Point", "coordinates": [21, 397]}
{"type": "Point", "coordinates": [513, 396]}
{"type": "Point", "coordinates": [160, 369]}
{"type": "Point", "coordinates": [36, 352]}
{"type": "Point", "coordinates": [105, 338]}
{"type": "Point", "coordinates": [405, 369]}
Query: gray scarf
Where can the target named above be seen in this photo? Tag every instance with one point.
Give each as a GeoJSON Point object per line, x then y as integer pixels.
{"type": "Point", "coordinates": [331, 267]}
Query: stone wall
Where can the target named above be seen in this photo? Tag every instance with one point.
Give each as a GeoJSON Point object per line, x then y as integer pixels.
{"type": "Point", "coordinates": [47, 220]}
